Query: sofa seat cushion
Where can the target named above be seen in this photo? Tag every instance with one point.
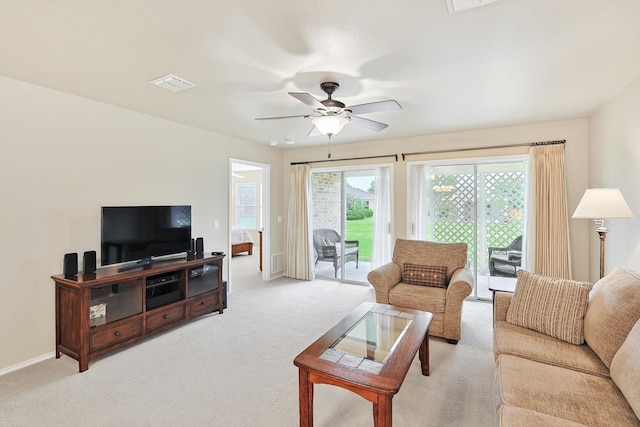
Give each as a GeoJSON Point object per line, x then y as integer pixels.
{"type": "Point", "coordinates": [523, 342]}
{"type": "Point", "coordinates": [425, 298]}
{"type": "Point", "coordinates": [552, 306]}
{"type": "Point", "coordinates": [559, 392]}
{"type": "Point", "coordinates": [625, 368]}
{"type": "Point", "coordinates": [614, 307]}
{"type": "Point", "coordinates": [513, 416]}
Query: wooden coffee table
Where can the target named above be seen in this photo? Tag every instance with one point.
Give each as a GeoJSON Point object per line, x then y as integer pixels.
{"type": "Point", "coordinates": [369, 353]}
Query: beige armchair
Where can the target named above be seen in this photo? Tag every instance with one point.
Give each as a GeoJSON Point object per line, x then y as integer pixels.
{"type": "Point", "coordinates": [427, 276]}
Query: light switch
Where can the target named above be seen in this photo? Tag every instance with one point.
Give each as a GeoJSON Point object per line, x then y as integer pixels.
{"type": "Point", "coordinates": [279, 219]}
{"type": "Point", "coordinates": [216, 224]}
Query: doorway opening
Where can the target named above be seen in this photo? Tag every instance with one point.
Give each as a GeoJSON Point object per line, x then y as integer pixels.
{"type": "Point", "coordinates": [351, 221]}
{"type": "Point", "coordinates": [248, 221]}
{"type": "Point", "coordinates": [480, 202]}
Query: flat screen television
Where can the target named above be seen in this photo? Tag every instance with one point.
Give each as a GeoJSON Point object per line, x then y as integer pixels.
{"type": "Point", "coordinates": [138, 233]}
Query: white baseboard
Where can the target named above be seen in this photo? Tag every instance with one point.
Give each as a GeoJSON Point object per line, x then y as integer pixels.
{"type": "Point", "coordinates": [27, 363]}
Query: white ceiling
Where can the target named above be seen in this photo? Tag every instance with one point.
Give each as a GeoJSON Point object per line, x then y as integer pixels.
{"type": "Point", "coordinates": [506, 63]}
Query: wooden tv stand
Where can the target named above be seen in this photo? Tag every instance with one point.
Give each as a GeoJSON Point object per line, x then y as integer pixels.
{"type": "Point", "coordinates": [99, 312]}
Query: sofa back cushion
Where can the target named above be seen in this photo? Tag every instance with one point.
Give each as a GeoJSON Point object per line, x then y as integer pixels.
{"type": "Point", "coordinates": [625, 368]}
{"type": "Point", "coordinates": [614, 307]}
{"type": "Point", "coordinates": [551, 306]}
{"type": "Point", "coordinates": [420, 252]}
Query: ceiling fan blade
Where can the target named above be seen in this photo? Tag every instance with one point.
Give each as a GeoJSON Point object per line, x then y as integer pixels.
{"type": "Point", "coordinates": [368, 124]}
{"type": "Point", "coordinates": [374, 107]}
{"type": "Point", "coordinates": [307, 99]}
{"type": "Point", "coordinates": [281, 117]}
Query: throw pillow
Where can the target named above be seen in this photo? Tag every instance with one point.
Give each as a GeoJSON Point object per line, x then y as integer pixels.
{"type": "Point", "coordinates": [551, 306]}
{"type": "Point", "coordinates": [614, 308]}
{"type": "Point", "coordinates": [425, 275]}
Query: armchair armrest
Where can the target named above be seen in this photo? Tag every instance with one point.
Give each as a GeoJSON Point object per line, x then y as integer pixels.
{"type": "Point", "coordinates": [383, 279]}
{"type": "Point", "coordinates": [460, 285]}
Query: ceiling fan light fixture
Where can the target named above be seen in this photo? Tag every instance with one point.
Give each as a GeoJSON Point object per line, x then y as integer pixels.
{"type": "Point", "coordinates": [330, 125]}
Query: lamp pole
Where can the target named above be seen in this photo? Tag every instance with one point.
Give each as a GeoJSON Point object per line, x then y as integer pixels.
{"type": "Point", "coordinates": [602, 232]}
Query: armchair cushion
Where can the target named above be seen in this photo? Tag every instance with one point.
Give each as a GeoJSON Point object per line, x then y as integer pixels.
{"type": "Point", "coordinates": [425, 275]}
{"type": "Point", "coordinates": [551, 306]}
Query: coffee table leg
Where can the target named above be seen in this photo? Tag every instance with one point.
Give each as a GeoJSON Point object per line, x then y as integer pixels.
{"type": "Point", "coordinates": [382, 411]}
{"type": "Point", "coordinates": [424, 355]}
{"type": "Point", "coordinates": [306, 398]}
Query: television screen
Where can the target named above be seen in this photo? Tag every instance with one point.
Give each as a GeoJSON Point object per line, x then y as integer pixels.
{"type": "Point", "coordinates": [132, 233]}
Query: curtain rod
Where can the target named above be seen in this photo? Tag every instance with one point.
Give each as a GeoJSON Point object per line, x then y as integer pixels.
{"type": "Point", "coordinates": [350, 158]}
{"type": "Point", "coordinates": [528, 144]}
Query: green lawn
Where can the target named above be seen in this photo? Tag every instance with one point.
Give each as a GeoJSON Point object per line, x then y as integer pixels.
{"type": "Point", "coordinates": [362, 230]}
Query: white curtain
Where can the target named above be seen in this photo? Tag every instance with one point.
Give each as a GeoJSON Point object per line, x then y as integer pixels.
{"type": "Point", "coordinates": [418, 193]}
{"type": "Point", "coordinates": [382, 240]}
{"type": "Point", "coordinates": [550, 243]}
{"type": "Point", "coordinates": [299, 253]}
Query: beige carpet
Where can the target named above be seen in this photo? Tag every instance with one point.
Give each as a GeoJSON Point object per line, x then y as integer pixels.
{"type": "Point", "coordinates": [236, 369]}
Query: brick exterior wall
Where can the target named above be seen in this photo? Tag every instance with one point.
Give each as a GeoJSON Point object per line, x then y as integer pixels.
{"type": "Point", "coordinates": [325, 196]}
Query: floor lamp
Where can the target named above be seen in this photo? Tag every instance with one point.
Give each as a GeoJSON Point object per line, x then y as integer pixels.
{"type": "Point", "coordinates": [600, 204]}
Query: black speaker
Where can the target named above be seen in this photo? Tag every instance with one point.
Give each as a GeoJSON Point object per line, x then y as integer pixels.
{"type": "Point", "coordinates": [70, 267]}
{"type": "Point", "coordinates": [199, 245]}
{"type": "Point", "coordinates": [89, 262]}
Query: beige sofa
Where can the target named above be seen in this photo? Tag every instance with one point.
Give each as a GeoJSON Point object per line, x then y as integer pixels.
{"type": "Point", "coordinates": [541, 378]}
{"type": "Point", "coordinates": [447, 282]}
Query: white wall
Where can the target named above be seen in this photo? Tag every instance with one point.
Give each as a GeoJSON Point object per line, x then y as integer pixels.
{"type": "Point", "coordinates": [575, 132]}
{"type": "Point", "coordinates": [62, 157]}
{"type": "Point", "coordinates": [614, 161]}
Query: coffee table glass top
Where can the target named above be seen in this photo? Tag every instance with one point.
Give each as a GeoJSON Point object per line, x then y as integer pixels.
{"type": "Point", "coordinates": [369, 343]}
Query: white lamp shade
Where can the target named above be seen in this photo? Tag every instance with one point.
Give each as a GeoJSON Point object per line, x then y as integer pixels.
{"type": "Point", "coordinates": [600, 203]}
{"type": "Point", "coordinates": [330, 125]}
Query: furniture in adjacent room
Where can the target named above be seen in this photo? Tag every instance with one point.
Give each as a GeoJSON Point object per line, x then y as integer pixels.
{"type": "Point", "coordinates": [506, 260]}
{"type": "Point", "coordinates": [100, 312]}
{"type": "Point", "coordinates": [328, 248]}
{"type": "Point", "coordinates": [369, 353]}
{"type": "Point", "coordinates": [575, 362]}
{"type": "Point", "coordinates": [241, 241]}
{"type": "Point", "coordinates": [427, 276]}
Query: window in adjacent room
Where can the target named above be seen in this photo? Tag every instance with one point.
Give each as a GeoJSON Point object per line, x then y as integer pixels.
{"type": "Point", "coordinates": [245, 205]}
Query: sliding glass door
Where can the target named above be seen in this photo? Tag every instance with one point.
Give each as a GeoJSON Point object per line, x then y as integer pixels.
{"type": "Point", "coordinates": [480, 203]}
{"type": "Point", "coordinates": [351, 221]}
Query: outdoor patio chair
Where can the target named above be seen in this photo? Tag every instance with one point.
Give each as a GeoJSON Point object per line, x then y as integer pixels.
{"type": "Point", "coordinates": [326, 243]}
{"type": "Point", "coordinates": [505, 261]}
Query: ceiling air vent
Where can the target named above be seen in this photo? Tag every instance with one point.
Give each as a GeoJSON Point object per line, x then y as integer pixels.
{"type": "Point", "coordinates": [173, 83]}
{"type": "Point", "coordinates": [456, 6]}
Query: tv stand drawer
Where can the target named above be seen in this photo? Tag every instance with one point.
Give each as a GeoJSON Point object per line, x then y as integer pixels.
{"type": "Point", "coordinates": [161, 317]}
{"type": "Point", "coordinates": [204, 303]}
{"type": "Point", "coordinates": [109, 335]}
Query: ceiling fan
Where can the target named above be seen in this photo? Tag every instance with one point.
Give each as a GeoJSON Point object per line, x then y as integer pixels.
{"type": "Point", "coordinates": [330, 116]}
